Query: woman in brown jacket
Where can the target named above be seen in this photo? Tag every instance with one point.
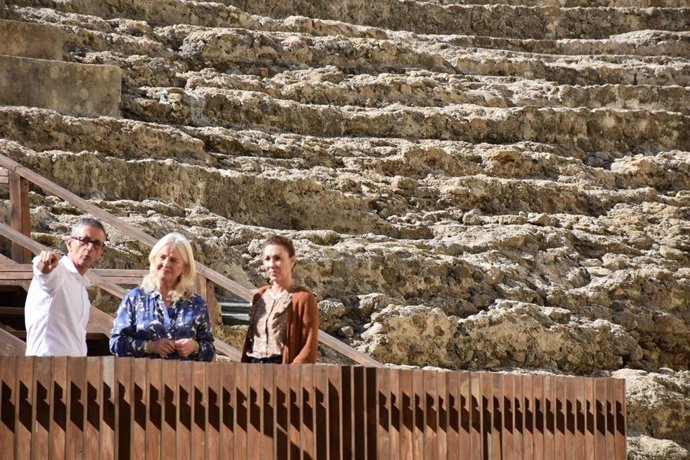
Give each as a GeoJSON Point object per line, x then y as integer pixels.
{"type": "Point", "coordinates": [284, 319]}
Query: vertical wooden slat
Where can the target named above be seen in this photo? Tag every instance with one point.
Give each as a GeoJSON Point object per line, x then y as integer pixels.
{"type": "Point", "coordinates": [335, 414]}
{"type": "Point", "coordinates": [347, 410]}
{"type": "Point", "coordinates": [359, 432]}
{"type": "Point", "coordinates": [109, 389]}
{"type": "Point", "coordinates": [254, 408]}
{"type": "Point", "coordinates": [475, 416]}
{"type": "Point", "coordinates": [590, 411]}
{"type": "Point", "coordinates": [322, 423]}
{"type": "Point", "coordinates": [609, 409]}
{"type": "Point", "coordinates": [518, 417]}
{"type": "Point", "coordinates": [268, 424]}
{"type": "Point", "coordinates": [570, 420]}
{"type": "Point", "coordinates": [76, 408]}
{"type": "Point", "coordinates": [487, 414]}
{"type": "Point", "coordinates": [370, 383]}
{"type": "Point", "coordinates": [419, 415]}
{"type": "Point", "coordinates": [41, 408]}
{"type": "Point", "coordinates": [539, 418]}
{"type": "Point", "coordinates": [528, 408]}
{"type": "Point", "coordinates": [465, 405]}
{"type": "Point", "coordinates": [442, 433]}
{"type": "Point", "coordinates": [454, 410]}
{"type": "Point", "coordinates": [241, 410]}
{"type": "Point", "coordinates": [199, 399]}
{"type": "Point", "coordinates": [19, 215]}
{"type": "Point", "coordinates": [498, 408]}
{"type": "Point", "coordinates": [407, 413]}
{"type": "Point", "coordinates": [170, 413]}
{"type": "Point", "coordinates": [282, 402]}
{"type": "Point", "coordinates": [184, 410]}
{"type": "Point", "coordinates": [140, 407]}
{"type": "Point", "coordinates": [620, 419]}
{"type": "Point", "coordinates": [430, 407]}
{"type": "Point", "coordinates": [228, 403]}
{"type": "Point", "coordinates": [58, 404]}
{"type": "Point", "coordinates": [396, 405]}
{"type": "Point", "coordinates": [9, 368]}
{"type": "Point", "coordinates": [383, 412]}
{"type": "Point", "coordinates": [213, 398]}
{"type": "Point", "coordinates": [123, 395]}
{"type": "Point", "coordinates": [549, 417]}
{"type": "Point", "coordinates": [95, 424]}
{"type": "Point", "coordinates": [560, 408]}
{"type": "Point", "coordinates": [154, 397]}
{"type": "Point", "coordinates": [508, 410]}
{"type": "Point", "coordinates": [307, 431]}
{"type": "Point", "coordinates": [295, 406]}
{"type": "Point", "coordinates": [580, 418]}
{"type": "Point", "coordinates": [600, 418]}
{"type": "Point", "coordinates": [25, 413]}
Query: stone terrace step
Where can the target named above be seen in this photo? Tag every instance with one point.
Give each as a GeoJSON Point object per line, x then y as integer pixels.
{"type": "Point", "coordinates": [47, 130]}
{"type": "Point", "coordinates": [598, 129]}
{"type": "Point", "coordinates": [372, 211]}
{"type": "Point", "coordinates": [422, 17]}
{"type": "Point", "coordinates": [638, 43]}
{"type": "Point", "coordinates": [37, 41]}
{"type": "Point", "coordinates": [329, 85]}
{"type": "Point", "coordinates": [225, 48]}
{"type": "Point", "coordinates": [63, 86]}
{"type": "Point", "coordinates": [261, 51]}
{"type": "Point", "coordinates": [497, 20]}
{"type": "Point", "coordinates": [116, 34]}
{"type": "Point", "coordinates": [572, 3]}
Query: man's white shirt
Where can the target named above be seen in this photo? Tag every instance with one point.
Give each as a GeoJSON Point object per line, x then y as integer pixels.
{"type": "Point", "coordinates": [57, 311]}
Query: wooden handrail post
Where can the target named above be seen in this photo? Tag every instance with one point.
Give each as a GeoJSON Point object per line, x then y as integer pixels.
{"type": "Point", "coordinates": [19, 215]}
{"type": "Point", "coordinates": [206, 289]}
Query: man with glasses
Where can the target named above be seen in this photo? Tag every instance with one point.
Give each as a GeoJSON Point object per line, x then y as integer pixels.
{"type": "Point", "coordinates": [57, 304]}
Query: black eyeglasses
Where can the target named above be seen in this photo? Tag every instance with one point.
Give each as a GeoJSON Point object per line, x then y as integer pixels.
{"type": "Point", "coordinates": [85, 241]}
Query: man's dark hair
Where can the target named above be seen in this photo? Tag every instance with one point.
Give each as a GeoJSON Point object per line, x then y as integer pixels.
{"type": "Point", "coordinates": [281, 241]}
{"type": "Point", "coordinates": [89, 222]}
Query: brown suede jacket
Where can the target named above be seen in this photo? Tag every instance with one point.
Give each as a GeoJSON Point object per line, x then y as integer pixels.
{"type": "Point", "coordinates": [302, 338]}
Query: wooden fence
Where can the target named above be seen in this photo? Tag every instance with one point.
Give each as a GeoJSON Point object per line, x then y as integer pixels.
{"type": "Point", "coordinates": [108, 407]}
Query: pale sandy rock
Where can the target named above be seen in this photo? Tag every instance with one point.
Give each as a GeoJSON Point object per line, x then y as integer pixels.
{"type": "Point", "coordinates": [523, 335]}
{"type": "Point", "coordinates": [643, 447]}
{"type": "Point", "coordinates": [391, 336]}
{"type": "Point", "coordinates": [658, 404]}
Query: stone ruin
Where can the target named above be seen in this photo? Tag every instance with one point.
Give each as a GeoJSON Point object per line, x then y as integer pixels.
{"type": "Point", "coordinates": [480, 184]}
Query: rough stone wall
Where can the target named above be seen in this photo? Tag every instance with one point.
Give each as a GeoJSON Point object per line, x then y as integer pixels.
{"type": "Point", "coordinates": [475, 185]}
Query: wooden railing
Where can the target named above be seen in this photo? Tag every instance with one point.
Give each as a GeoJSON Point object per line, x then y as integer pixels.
{"type": "Point", "coordinates": [150, 409]}
{"type": "Point", "coordinates": [18, 177]}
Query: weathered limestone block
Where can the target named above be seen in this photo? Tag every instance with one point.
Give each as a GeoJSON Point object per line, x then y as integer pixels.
{"type": "Point", "coordinates": [394, 332]}
{"type": "Point", "coordinates": [516, 334]}
{"type": "Point", "coordinates": [67, 87]}
{"type": "Point", "coordinates": [658, 404]}
{"type": "Point", "coordinates": [37, 41]}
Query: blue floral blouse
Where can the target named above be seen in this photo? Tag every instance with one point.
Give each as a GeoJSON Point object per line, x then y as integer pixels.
{"type": "Point", "coordinates": [143, 316]}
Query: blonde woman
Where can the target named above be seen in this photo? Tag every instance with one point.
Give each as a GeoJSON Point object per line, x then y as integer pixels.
{"type": "Point", "coordinates": [163, 318]}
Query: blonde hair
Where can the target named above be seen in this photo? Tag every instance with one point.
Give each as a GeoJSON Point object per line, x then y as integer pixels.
{"type": "Point", "coordinates": [185, 285]}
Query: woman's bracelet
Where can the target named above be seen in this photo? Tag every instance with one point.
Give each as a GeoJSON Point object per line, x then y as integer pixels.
{"type": "Point", "coordinates": [147, 347]}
